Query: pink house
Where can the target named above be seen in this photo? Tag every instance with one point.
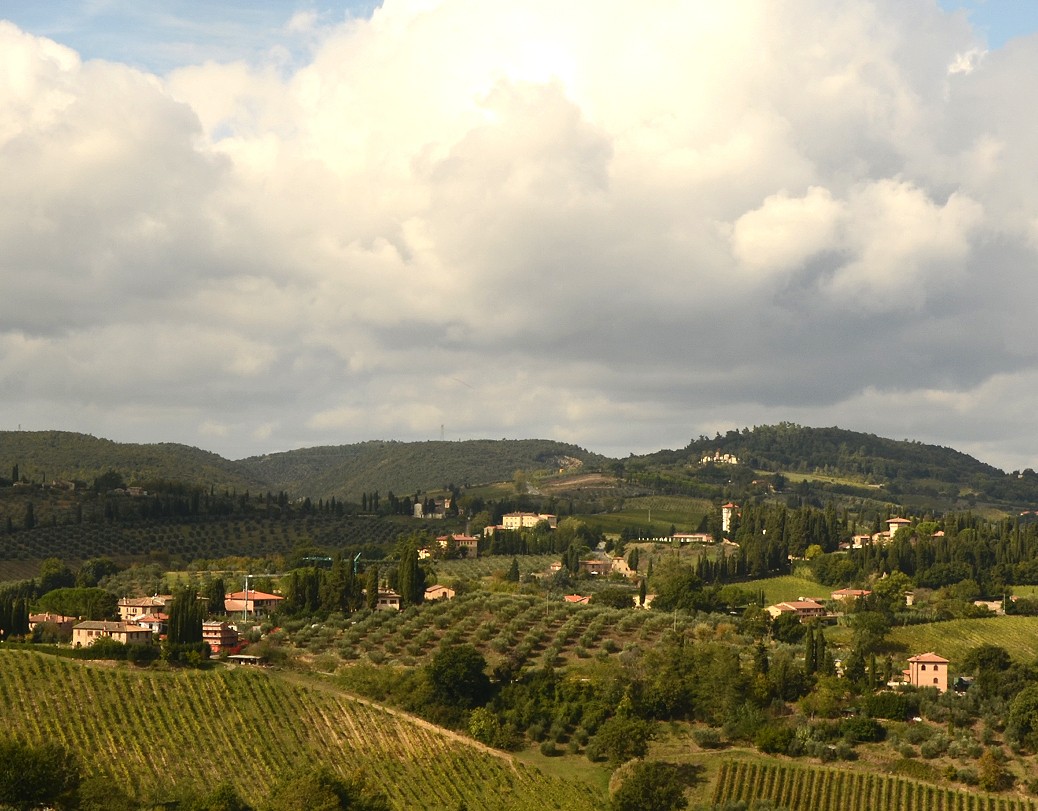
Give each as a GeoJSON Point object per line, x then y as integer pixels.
{"type": "Point", "coordinates": [928, 670]}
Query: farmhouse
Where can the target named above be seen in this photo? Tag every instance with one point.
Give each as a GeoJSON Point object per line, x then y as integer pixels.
{"type": "Point", "coordinates": [692, 537]}
{"type": "Point", "coordinates": [849, 595]}
{"type": "Point", "coordinates": [527, 520]}
{"type": "Point", "coordinates": [928, 670]}
{"type": "Point", "coordinates": [87, 633]}
{"type": "Point", "coordinates": [133, 608]}
{"type": "Point", "coordinates": [252, 602]}
{"type": "Point", "coordinates": [621, 566]}
{"type": "Point", "coordinates": [468, 545]}
{"type": "Point", "coordinates": [438, 592]}
{"type": "Point", "coordinates": [802, 608]}
{"type": "Point", "coordinates": [596, 567]}
{"type": "Point", "coordinates": [388, 600]}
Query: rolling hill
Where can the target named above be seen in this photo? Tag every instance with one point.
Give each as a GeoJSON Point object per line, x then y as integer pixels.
{"type": "Point", "coordinates": [857, 465]}
{"type": "Point", "coordinates": [152, 732]}
{"type": "Point", "coordinates": [342, 471]}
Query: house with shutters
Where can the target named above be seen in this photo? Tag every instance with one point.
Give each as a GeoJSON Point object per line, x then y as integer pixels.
{"type": "Point", "coordinates": [928, 670]}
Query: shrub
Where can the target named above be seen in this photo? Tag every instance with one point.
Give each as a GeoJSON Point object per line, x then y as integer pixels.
{"type": "Point", "coordinates": [708, 738]}
{"type": "Point", "coordinates": [862, 730]}
{"type": "Point", "coordinates": [773, 738]}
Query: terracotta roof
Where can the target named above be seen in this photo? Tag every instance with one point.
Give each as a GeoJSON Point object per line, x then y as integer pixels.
{"type": "Point", "coordinates": [105, 625]}
{"type": "Point", "coordinates": [51, 618]}
{"type": "Point", "coordinates": [253, 595]}
{"type": "Point", "coordinates": [898, 521]}
{"type": "Point", "coordinates": [798, 605]}
{"type": "Point", "coordinates": [929, 657]}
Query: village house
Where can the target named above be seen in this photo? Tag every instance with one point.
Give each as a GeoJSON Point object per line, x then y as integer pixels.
{"type": "Point", "coordinates": [596, 567]}
{"type": "Point", "coordinates": [802, 609]}
{"type": "Point", "coordinates": [468, 545]}
{"type": "Point", "coordinates": [849, 595]}
{"type": "Point", "coordinates": [156, 623]}
{"type": "Point", "coordinates": [513, 521]}
{"type": "Point", "coordinates": [219, 636]}
{"type": "Point", "coordinates": [388, 600]}
{"type": "Point", "coordinates": [577, 599]}
{"type": "Point", "coordinates": [928, 670]}
{"type": "Point", "coordinates": [87, 633]}
{"type": "Point", "coordinates": [133, 608]}
{"type": "Point", "coordinates": [692, 537]}
{"type": "Point", "coordinates": [63, 624]}
{"type": "Point", "coordinates": [256, 603]}
{"type": "Point", "coordinates": [438, 592]}
{"type": "Point", "coordinates": [621, 566]}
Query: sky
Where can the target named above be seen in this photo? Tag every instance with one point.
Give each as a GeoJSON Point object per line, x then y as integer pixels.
{"type": "Point", "coordinates": [252, 227]}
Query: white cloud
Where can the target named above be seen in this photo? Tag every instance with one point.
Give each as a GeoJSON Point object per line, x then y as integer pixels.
{"type": "Point", "coordinates": [785, 231]}
{"type": "Point", "coordinates": [619, 225]}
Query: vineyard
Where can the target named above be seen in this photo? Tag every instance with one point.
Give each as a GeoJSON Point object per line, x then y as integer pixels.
{"type": "Point", "coordinates": [804, 788]}
{"type": "Point", "coordinates": [955, 638]}
{"type": "Point", "coordinates": [190, 541]}
{"type": "Point", "coordinates": [527, 629]}
{"type": "Point", "coordinates": [149, 731]}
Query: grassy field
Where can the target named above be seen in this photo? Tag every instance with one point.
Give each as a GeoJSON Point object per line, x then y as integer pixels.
{"type": "Point", "coordinates": [789, 587]}
{"type": "Point", "coordinates": [953, 639]}
{"type": "Point", "coordinates": [152, 731]}
{"type": "Point", "coordinates": [659, 513]}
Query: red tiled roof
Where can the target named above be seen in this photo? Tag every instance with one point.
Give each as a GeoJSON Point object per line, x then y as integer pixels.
{"type": "Point", "coordinates": [929, 657]}
{"type": "Point", "coordinates": [252, 595]}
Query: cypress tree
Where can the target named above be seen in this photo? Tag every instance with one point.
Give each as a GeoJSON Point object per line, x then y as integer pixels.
{"type": "Point", "coordinates": [185, 618]}
{"type": "Point", "coordinates": [371, 588]}
{"type": "Point", "coordinates": [410, 578]}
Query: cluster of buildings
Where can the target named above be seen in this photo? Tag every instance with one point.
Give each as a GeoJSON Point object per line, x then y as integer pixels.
{"type": "Point", "coordinates": [720, 459]}
{"type": "Point", "coordinates": [141, 619]}
{"type": "Point", "coordinates": [884, 536]}
{"type": "Point", "coordinates": [924, 669]}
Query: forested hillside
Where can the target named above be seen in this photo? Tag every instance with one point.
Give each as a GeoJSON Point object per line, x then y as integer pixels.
{"type": "Point", "coordinates": [51, 455]}
{"type": "Point", "coordinates": [345, 471]}
{"type": "Point", "coordinates": [793, 447]}
{"type": "Point", "coordinates": [342, 472]}
{"type": "Point", "coordinates": [893, 469]}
